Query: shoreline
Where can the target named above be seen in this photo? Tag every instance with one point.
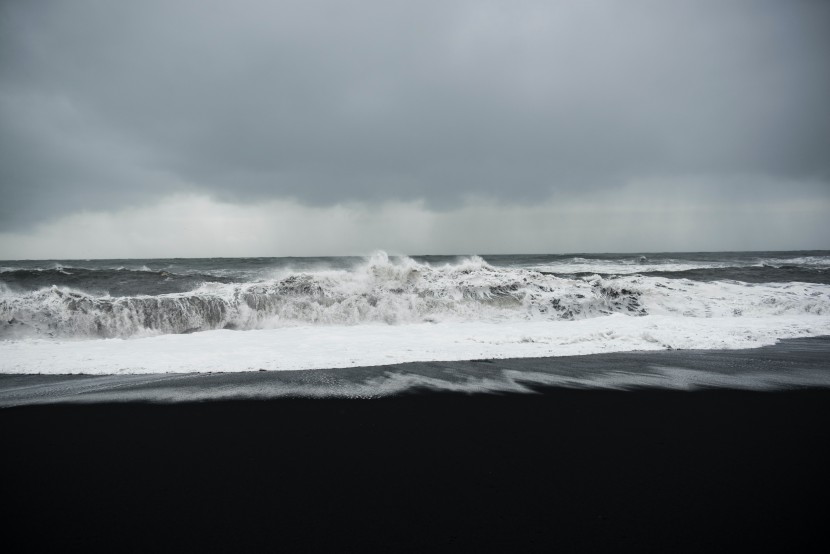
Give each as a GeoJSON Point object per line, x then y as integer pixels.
{"type": "Point", "coordinates": [684, 468]}
{"type": "Point", "coordinates": [789, 364]}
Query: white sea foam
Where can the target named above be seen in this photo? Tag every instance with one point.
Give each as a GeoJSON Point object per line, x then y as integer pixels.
{"type": "Point", "coordinates": [311, 347]}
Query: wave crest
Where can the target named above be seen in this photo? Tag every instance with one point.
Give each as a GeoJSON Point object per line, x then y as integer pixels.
{"type": "Point", "coordinates": [379, 291]}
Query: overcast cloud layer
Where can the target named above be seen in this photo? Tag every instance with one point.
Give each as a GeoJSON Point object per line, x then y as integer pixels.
{"type": "Point", "coordinates": [502, 117]}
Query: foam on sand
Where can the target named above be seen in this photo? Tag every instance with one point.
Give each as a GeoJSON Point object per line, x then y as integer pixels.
{"type": "Point", "coordinates": [311, 347]}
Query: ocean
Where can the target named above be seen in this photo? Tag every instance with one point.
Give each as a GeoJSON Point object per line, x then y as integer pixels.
{"type": "Point", "coordinates": [220, 315]}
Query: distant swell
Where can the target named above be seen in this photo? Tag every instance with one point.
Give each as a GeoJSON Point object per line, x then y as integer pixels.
{"type": "Point", "coordinates": [764, 274]}
{"type": "Point", "coordinates": [750, 274]}
{"type": "Point", "coordinates": [117, 282]}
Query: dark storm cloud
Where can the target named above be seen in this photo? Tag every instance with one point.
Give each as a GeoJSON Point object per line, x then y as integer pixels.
{"type": "Point", "coordinates": [105, 104]}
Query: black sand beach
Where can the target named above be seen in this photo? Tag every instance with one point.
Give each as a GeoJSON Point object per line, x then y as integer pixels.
{"type": "Point", "coordinates": [570, 469]}
{"type": "Point", "coordinates": [578, 470]}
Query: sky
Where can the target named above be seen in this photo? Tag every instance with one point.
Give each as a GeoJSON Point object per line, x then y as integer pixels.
{"type": "Point", "coordinates": [337, 127]}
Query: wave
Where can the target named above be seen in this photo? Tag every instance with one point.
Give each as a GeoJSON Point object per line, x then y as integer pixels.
{"type": "Point", "coordinates": [643, 265]}
{"type": "Point", "coordinates": [751, 274]}
{"type": "Point", "coordinates": [54, 267]}
{"type": "Point", "coordinates": [112, 281]}
{"type": "Point", "coordinates": [577, 266]}
{"type": "Point", "coordinates": [755, 273]}
{"type": "Point", "coordinates": [393, 292]}
{"type": "Point", "coordinates": [379, 291]}
{"type": "Point", "coordinates": [801, 261]}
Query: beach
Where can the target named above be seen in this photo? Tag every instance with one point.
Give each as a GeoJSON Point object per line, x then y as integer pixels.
{"type": "Point", "coordinates": [551, 467]}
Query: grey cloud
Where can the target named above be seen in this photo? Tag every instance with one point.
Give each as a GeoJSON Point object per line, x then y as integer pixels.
{"type": "Point", "coordinates": [105, 104]}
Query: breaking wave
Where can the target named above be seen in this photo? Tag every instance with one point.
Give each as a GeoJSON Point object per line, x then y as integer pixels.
{"type": "Point", "coordinates": [392, 292]}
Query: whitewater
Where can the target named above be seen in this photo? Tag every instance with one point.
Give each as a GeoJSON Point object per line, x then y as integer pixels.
{"type": "Point", "coordinates": [229, 315]}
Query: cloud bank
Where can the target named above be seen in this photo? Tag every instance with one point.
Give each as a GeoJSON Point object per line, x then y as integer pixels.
{"type": "Point", "coordinates": [474, 110]}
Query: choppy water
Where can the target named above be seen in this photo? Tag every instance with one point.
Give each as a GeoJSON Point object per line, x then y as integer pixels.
{"type": "Point", "coordinates": [316, 310]}
{"type": "Point", "coordinates": [132, 277]}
